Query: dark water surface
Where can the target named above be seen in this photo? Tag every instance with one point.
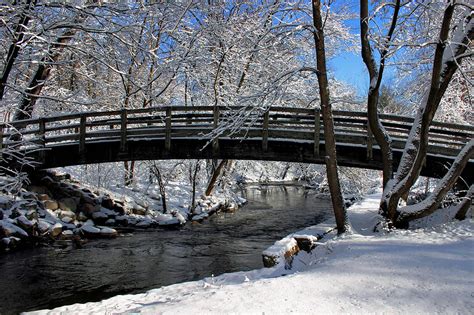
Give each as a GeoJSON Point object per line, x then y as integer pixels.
{"type": "Point", "coordinates": [49, 277]}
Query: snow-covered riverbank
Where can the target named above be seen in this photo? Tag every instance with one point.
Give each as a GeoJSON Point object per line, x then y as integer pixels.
{"type": "Point", "coordinates": [422, 271]}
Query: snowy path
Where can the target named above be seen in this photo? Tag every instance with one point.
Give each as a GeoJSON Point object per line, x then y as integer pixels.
{"type": "Point", "coordinates": [427, 271]}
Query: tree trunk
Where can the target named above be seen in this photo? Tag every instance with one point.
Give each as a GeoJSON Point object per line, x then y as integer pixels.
{"type": "Point", "coordinates": [15, 45]}
{"type": "Point", "coordinates": [41, 75]}
{"type": "Point", "coordinates": [381, 135]}
{"type": "Point", "coordinates": [432, 202]}
{"type": "Point", "coordinates": [192, 178]}
{"type": "Point", "coordinates": [465, 204]}
{"type": "Point", "coordinates": [215, 176]}
{"type": "Point", "coordinates": [445, 64]}
{"type": "Point", "coordinates": [330, 142]}
{"type": "Point", "coordinates": [156, 171]}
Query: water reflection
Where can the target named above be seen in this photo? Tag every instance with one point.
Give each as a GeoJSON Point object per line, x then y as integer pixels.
{"type": "Point", "coordinates": [48, 277]}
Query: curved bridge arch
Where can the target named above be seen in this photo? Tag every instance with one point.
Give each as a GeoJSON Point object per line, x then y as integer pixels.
{"type": "Point", "coordinates": [176, 132]}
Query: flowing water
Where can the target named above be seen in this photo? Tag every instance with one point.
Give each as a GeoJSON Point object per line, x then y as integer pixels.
{"type": "Point", "coordinates": [39, 278]}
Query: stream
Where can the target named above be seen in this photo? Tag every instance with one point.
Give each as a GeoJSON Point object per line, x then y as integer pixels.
{"type": "Point", "coordinates": [49, 277]}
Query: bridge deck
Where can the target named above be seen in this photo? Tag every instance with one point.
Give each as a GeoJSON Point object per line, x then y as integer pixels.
{"type": "Point", "coordinates": [280, 134]}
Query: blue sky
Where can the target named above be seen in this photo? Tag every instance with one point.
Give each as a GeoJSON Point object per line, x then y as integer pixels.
{"type": "Point", "coordinates": [348, 66]}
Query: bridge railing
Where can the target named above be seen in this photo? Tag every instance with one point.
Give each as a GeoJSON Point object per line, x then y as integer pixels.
{"type": "Point", "coordinates": [214, 123]}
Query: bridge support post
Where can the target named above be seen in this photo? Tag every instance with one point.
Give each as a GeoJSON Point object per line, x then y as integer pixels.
{"type": "Point", "coordinates": [168, 129]}
{"type": "Point", "coordinates": [82, 138]}
{"type": "Point", "coordinates": [370, 141]}
{"type": "Point", "coordinates": [317, 132]}
{"type": "Point", "coordinates": [123, 131]}
{"type": "Point", "coordinates": [42, 139]}
{"type": "Point", "coordinates": [215, 141]}
{"type": "Point", "coordinates": [266, 117]}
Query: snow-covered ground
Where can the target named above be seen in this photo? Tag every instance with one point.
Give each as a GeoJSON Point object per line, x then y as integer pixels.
{"type": "Point", "coordinates": [423, 271]}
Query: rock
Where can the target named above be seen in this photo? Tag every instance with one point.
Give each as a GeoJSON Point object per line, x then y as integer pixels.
{"type": "Point", "coordinates": [43, 197]}
{"type": "Point", "coordinates": [306, 242]}
{"type": "Point", "coordinates": [51, 204]}
{"type": "Point", "coordinates": [88, 208]}
{"type": "Point", "coordinates": [66, 235]}
{"type": "Point", "coordinates": [46, 180]}
{"type": "Point", "coordinates": [28, 195]}
{"type": "Point", "coordinates": [120, 209]}
{"type": "Point", "coordinates": [121, 220]}
{"type": "Point", "coordinates": [43, 226]}
{"type": "Point", "coordinates": [66, 213]}
{"type": "Point", "coordinates": [142, 203]}
{"type": "Point", "coordinates": [107, 202]}
{"type": "Point", "coordinates": [89, 198]}
{"type": "Point", "coordinates": [232, 207]}
{"type": "Point", "coordinates": [110, 222]}
{"type": "Point", "coordinates": [81, 217]}
{"type": "Point", "coordinates": [107, 232]}
{"type": "Point", "coordinates": [100, 217]}
{"type": "Point", "coordinates": [144, 224]}
{"type": "Point", "coordinates": [282, 251]}
{"type": "Point", "coordinates": [32, 215]}
{"type": "Point", "coordinates": [170, 222]}
{"type": "Point", "coordinates": [67, 219]}
{"type": "Point", "coordinates": [8, 229]}
{"type": "Point", "coordinates": [25, 224]}
{"type": "Point", "coordinates": [38, 189]}
{"type": "Point", "coordinates": [89, 230]}
{"type": "Point", "coordinates": [68, 204]}
{"type": "Point", "coordinates": [137, 209]}
{"type": "Point", "coordinates": [56, 229]}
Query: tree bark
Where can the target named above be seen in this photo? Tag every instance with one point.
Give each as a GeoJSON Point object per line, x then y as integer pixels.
{"type": "Point", "coordinates": [215, 176]}
{"type": "Point", "coordinates": [432, 202]}
{"type": "Point", "coordinates": [417, 143]}
{"type": "Point", "coordinates": [41, 75]}
{"type": "Point", "coordinates": [330, 142]}
{"type": "Point", "coordinates": [381, 135]}
{"type": "Point", "coordinates": [15, 45]}
{"type": "Point", "coordinates": [465, 204]}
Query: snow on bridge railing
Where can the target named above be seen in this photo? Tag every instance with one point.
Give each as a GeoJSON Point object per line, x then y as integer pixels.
{"type": "Point", "coordinates": [212, 123]}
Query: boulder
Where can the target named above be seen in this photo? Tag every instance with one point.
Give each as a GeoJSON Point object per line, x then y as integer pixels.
{"type": "Point", "coordinates": [81, 217]}
{"type": "Point", "coordinates": [67, 235]}
{"type": "Point", "coordinates": [100, 217]}
{"type": "Point", "coordinates": [56, 229]}
{"type": "Point", "coordinates": [89, 198]}
{"type": "Point", "coordinates": [67, 219]}
{"type": "Point", "coordinates": [137, 209]}
{"type": "Point", "coordinates": [24, 223]}
{"type": "Point", "coordinates": [121, 220]}
{"type": "Point", "coordinates": [107, 202]}
{"type": "Point", "coordinates": [7, 229]}
{"type": "Point", "coordinates": [43, 197]}
{"type": "Point", "coordinates": [143, 203]}
{"type": "Point", "coordinates": [110, 222]}
{"type": "Point", "coordinates": [89, 230]}
{"type": "Point", "coordinates": [51, 204]}
{"type": "Point", "coordinates": [68, 204]}
{"type": "Point", "coordinates": [88, 208]}
{"type": "Point", "coordinates": [107, 232]}
{"type": "Point", "coordinates": [43, 226]}
{"type": "Point", "coordinates": [38, 189]}
{"type": "Point", "coordinates": [119, 208]}
{"type": "Point", "coordinates": [66, 213]}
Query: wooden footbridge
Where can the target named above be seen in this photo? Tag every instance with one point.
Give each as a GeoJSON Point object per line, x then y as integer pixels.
{"type": "Point", "coordinates": [207, 132]}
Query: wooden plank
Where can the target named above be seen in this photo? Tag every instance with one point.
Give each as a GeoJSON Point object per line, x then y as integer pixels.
{"type": "Point", "coordinates": [317, 132]}
{"type": "Point", "coordinates": [168, 129]}
{"type": "Point", "coordinates": [82, 137]}
{"type": "Point", "coordinates": [265, 131]}
{"type": "Point", "coordinates": [123, 130]}
{"type": "Point", "coordinates": [215, 141]}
